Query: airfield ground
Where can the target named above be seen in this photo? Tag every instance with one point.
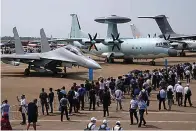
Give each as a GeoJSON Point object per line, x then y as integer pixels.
{"type": "Point", "coordinates": [14, 83]}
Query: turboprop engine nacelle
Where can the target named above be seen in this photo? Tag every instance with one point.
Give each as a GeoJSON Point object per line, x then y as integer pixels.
{"type": "Point", "coordinates": [14, 63]}
{"type": "Point", "coordinates": [108, 42]}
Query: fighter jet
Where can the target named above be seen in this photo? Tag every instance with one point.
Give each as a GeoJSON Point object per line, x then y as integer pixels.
{"type": "Point", "coordinates": [119, 48]}
{"type": "Point", "coordinates": [178, 41]}
{"type": "Point", "coordinates": [48, 60]}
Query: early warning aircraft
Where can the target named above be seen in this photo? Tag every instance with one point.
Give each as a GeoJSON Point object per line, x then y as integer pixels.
{"type": "Point", "coordinates": [118, 48]}
{"type": "Point", "coordinates": [178, 41]}
{"type": "Point", "coordinates": [48, 60]}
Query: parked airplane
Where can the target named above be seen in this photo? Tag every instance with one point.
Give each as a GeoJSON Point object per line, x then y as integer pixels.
{"type": "Point", "coordinates": [48, 60]}
{"type": "Point", "coordinates": [180, 41]}
{"type": "Point", "coordinates": [116, 48]}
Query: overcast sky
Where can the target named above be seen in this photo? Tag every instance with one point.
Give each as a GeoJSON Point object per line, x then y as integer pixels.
{"type": "Point", "coordinates": [54, 16]}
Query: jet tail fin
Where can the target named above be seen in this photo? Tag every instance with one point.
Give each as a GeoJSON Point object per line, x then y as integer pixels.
{"type": "Point", "coordinates": [18, 45]}
{"type": "Point", "coordinates": [44, 42]}
{"type": "Point", "coordinates": [136, 33]}
{"type": "Point", "coordinates": [76, 31]}
{"type": "Point", "coordinates": [163, 24]}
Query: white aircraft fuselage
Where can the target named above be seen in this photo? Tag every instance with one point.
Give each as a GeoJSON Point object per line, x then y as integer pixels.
{"type": "Point", "coordinates": [141, 48]}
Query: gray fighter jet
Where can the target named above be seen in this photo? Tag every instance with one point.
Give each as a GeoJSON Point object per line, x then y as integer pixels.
{"type": "Point", "coordinates": [48, 60]}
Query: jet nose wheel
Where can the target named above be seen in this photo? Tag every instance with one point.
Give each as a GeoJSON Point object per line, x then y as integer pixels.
{"type": "Point", "coordinates": [27, 72]}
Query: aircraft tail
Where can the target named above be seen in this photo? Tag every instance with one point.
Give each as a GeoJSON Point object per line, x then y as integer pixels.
{"type": "Point", "coordinates": [163, 24]}
{"type": "Point", "coordinates": [18, 45]}
{"type": "Point", "coordinates": [76, 31]}
{"type": "Point", "coordinates": [44, 42]}
{"type": "Point", "coordinates": [136, 33]}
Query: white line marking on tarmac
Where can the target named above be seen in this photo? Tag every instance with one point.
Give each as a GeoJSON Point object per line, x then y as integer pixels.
{"type": "Point", "coordinates": [169, 112]}
{"type": "Point", "coordinates": [111, 120]}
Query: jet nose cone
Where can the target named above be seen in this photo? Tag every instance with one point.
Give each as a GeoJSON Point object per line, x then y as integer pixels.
{"type": "Point", "coordinates": [172, 52]}
{"type": "Point", "coordinates": [92, 64]}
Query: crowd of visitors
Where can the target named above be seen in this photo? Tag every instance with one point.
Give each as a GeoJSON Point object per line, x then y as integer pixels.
{"type": "Point", "coordinates": [137, 85]}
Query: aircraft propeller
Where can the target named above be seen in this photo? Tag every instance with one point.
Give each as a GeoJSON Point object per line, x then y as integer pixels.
{"type": "Point", "coordinates": [92, 41]}
{"type": "Point", "coordinates": [116, 41]}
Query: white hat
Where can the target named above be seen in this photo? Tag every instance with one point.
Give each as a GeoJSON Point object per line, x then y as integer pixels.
{"type": "Point", "coordinates": [93, 119]}
{"type": "Point", "coordinates": [178, 81]}
{"type": "Point", "coordinates": [105, 121]}
{"type": "Point", "coordinates": [118, 122]}
{"type": "Point", "coordinates": [187, 84]}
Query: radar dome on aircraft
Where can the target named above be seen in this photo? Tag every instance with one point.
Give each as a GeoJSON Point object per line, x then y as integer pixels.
{"type": "Point", "coordinates": [113, 19]}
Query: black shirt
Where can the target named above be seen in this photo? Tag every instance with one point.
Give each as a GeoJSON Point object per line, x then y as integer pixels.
{"type": "Point", "coordinates": [92, 94]}
{"type": "Point", "coordinates": [32, 109]}
{"type": "Point", "coordinates": [71, 94]}
{"type": "Point", "coordinates": [43, 97]}
{"type": "Point", "coordinates": [51, 96]}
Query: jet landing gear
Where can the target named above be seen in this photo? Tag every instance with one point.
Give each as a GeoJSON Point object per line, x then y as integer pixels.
{"type": "Point", "coordinates": [182, 54]}
{"type": "Point", "coordinates": [128, 61]}
{"type": "Point", "coordinates": [152, 63]}
{"type": "Point", "coordinates": [65, 71]}
{"type": "Point", "coordinates": [27, 71]}
{"type": "Point", "coordinates": [109, 60]}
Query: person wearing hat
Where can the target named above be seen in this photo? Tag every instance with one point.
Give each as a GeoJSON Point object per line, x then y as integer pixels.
{"type": "Point", "coordinates": [117, 127]}
{"type": "Point", "coordinates": [92, 124]}
{"type": "Point", "coordinates": [22, 108]}
{"type": "Point", "coordinates": [187, 94]}
{"type": "Point", "coordinates": [5, 123]}
{"type": "Point", "coordinates": [104, 126]}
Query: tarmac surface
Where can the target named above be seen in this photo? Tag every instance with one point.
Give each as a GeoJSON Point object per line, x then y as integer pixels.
{"type": "Point", "coordinates": [14, 83]}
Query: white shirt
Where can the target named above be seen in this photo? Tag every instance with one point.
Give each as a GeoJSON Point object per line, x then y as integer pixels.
{"type": "Point", "coordinates": [187, 72]}
{"type": "Point", "coordinates": [92, 126]}
{"type": "Point", "coordinates": [134, 104]}
{"type": "Point", "coordinates": [76, 95]}
{"type": "Point", "coordinates": [186, 89]}
{"type": "Point", "coordinates": [101, 86]}
{"type": "Point", "coordinates": [118, 94]}
{"type": "Point", "coordinates": [162, 93]}
{"type": "Point", "coordinates": [179, 89]}
{"type": "Point", "coordinates": [24, 105]}
{"type": "Point", "coordinates": [107, 83]}
{"type": "Point", "coordinates": [116, 128]}
{"type": "Point", "coordinates": [175, 86]}
{"type": "Point", "coordinates": [170, 87]}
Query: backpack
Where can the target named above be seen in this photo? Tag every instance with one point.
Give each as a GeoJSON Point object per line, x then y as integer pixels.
{"type": "Point", "coordinates": [88, 128]}
{"type": "Point", "coordinates": [189, 92]}
{"type": "Point", "coordinates": [102, 128]}
{"type": "Point", "coordinates": [118, 129]}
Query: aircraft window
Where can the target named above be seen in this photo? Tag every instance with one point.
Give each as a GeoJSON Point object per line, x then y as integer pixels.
{"type": "Point", "coordinates": [136, 47]}
{"type": "Point", "coordinates": [140, 47]}
{"type": "Point", "coordinates": [157, 44]}
{"type": "Point", "coordinates": [132, 47]}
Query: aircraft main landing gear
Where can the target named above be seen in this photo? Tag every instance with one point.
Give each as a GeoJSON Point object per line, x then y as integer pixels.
{"type": "Point", "coordinates": [182, 54]}
{"type": "Point", "coordinates": [27, 72]}
{"type": "Point", "coordinates": [128, 61]}
{"type": "Point", "coordinates": [109, 60]}
{"type": "Point", "coordinates": [152, 63]}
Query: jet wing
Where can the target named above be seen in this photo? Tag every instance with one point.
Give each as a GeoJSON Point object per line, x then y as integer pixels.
{"type": "Point", "coordinates": [75, 39]}
{"type": "Point", "coordinates": [193, 37]}
{"type": "Point", "coordinates": [29, 56]}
